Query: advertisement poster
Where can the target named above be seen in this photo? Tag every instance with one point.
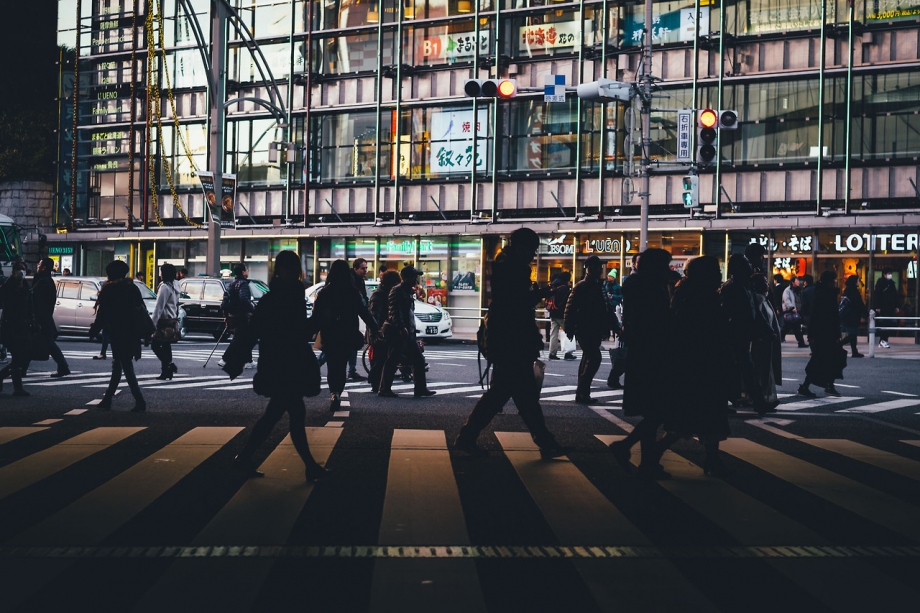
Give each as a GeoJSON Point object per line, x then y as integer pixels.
{"type": "Point", "coordinates": [452, 47]}
{"type": "Point", "coordinates": [210, 197]}
{"type": "Point", "coordinates": [465, 278]}
{"type": "Point", "coordinates": [452, 141]}
{"type": "Point", "coordinates": [437, 297]}
{"type": "Point", "coordinates": [227, 198]}
{"type": "Point", "coordinates": [557, 35]}
{"type": "Point", "coordinates": [673, 27]}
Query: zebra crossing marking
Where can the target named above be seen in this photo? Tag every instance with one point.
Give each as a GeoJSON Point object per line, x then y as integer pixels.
{"type": "Point", "coordinates": [872, 504]}
{"type": "Point", "coordinates": [577, 512]}
{"type": "Point", "coordinates": [335, 424]}
{"type": "Point", "coordinates": [422, 505]}
{"type": "Point", "coordinates": [594, 394]}
{"type": "Point", "coordinates": [41, 465]}
{"type": "Point", "coordinates": [885, 460]}
{"type": "Point", "coordinates": [815, 403]}
{"type": "Point", "coordinates": [47, 422]}
{"type": "Point", "coordinates": [104, 379]}
{"type": "Point", "coordinates": [763, 425]}
{"type": "Point", "coordinates": [77, 411]}
{"type": "Point", "coordinates": [11, 433]}
{"type": "Point", "coordinates": [753, 523]}
{"type": "Point", "coordinates": [899, 394]}
{"type": "Point", "coordinates": [341, 414]}
{"type": "Point", "coordinates": [262, 511]}
{"type": "Point", "coordinates": [914, 443]}
{"type": "Point", "coordinates": [888, 405]}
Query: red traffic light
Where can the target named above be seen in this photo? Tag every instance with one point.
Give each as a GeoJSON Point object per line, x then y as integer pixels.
{"type": "Point", "coordinates": [708, 118]}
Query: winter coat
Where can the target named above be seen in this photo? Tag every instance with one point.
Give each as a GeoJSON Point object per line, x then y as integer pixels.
{"type": "Point", "coordinates": [806, 303]}
{"type": "Point", "coordinates": [646, 328]}
{"type": "Point", "coordinates": [379, 307]}
{"type": "Point", "coordinates": [852, 309]}
{"type": "Point", "coordinates": [335, 314]}
{"type": "Point", "coordinates": [115, 316]}
{"type": "Point", "coordinates": [401, 309]}
{"type": "Point", "coordinates": [744, 320]}
{"type": "Point", "coordinates": [16, 324]}
{"type": "Point", "coordinates": [560, 295]}
{"type": "Point", "coordinates": [513, 332]}
{"type": "Point", "coordinates": [586, 312]}
{"type": "Point", "coordinates": [776, 295]}
{"type": "Point", "coordinates": [828, 358]}
{"type": "Point", "coordinates": [44, 298]}
{"type": "Point", "coordinates": [167, 305]}
{"type": "Point", "coordinates": [791, 299]}
{"type": "Point", "coordinates": [243, 305]}
{"type": "Point", "coordinates": [361, 286]}
{"type": "Point", "coordinates": [885, 296]}
{"type": "Point", "coordinates": [287, 366]}
{"type": "Point", "coordinates": [766, 352]}
{"type": "Point", "coordinates": [701, 360]}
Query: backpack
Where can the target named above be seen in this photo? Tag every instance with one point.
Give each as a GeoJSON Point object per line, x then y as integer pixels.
{"type": "Point", "coordinates": [229, 304]}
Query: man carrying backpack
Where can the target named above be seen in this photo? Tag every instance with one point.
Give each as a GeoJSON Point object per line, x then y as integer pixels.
{"type": "Point", "coordinates": [237, 305]}
{"type": "Point", "coordinates": [555, 304]}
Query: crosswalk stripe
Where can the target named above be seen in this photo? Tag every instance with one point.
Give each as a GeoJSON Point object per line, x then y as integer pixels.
{"type": "Point", "coordinates": [876, 457]}
{"type": "Point", "coordinates": [422, 507]}
{"type": "Point", "coordinates": [753, 523]}
{"type": "Point", "coordinates": [578, 513]}
{"type": "Point", "coordinates": [815, 403]}
{"type": "Point", "coordinates": [397, 388]}
{"type": "Point", "coordinates": [860, 499]}
{"type": "Point", "coordinates": [47, 422]}
{"type": "Point", "coordinates": [99, 513]}
{"type": "Point", "coordinates": [151, 382]}
{"type": "Point", "coordinates": [914, 443]}
{"type": "Point", "coordinates": [888, 405]}
{"type": "Point", "coordinates": [100, 378]}
{"type": "Point", "coordinates": [262, 511]}
{"type": "Point", "coordinates": [196, 382]}
{"type": "Point", "coordinates": [32, 469]}
{"type": "Point", "coordinates": [594, 394]}
{"type": "Point", "coordinates": [11, 433]}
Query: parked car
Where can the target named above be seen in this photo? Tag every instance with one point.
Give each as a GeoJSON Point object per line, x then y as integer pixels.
{"type": "Point", "coordinates": [432, 323]}
{"type": "Point", "coordinates": [201, 298]}
{"type": "Point", "coordinates": [74, 311]}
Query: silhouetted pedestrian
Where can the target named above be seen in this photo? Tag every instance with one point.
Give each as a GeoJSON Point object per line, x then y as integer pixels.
{"type": "Point", "coordinates": [766, 352]}
{"type": "Point", "coordinates": [167, 308]}
{"type": "Point", "coordinates": [379, 306]}
{"type": "Point", "coordinates": [287, 369]}
{"type": "Point", "coordinates": [117, 307]}
{"type": "Point", "coordinates": [791, 310]}
{"type": "Point", "coordinates": [852, 311]}
{"type": "Point", "coordinates": [588, 318]}
{"type": "Point", "coordinates": [559, 296]}
{"type": "Point", "coordinates": [885, 298]}
{"type": "Point", "coordinates": [828, 358]}
{"type": "Point", "coordinates": [515, 343]}
{"type": "Point", "coordinates": [646, 317]}
{"type": "Point", "coordinates": [16, 327]}
{"type": "Point", "coordinates": [359, 277]}
{"type": "Point", "coordinates": [335, 313]}
{"type": "Point", "coordinates": [44, 298]}
{"type": "Point", "coordinates": [401, 337]}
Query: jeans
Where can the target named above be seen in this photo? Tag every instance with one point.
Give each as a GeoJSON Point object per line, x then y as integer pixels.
{"type": "Point", "coordinates": [408, 348]}
{"type": "Point", "coordinates": [163, 351]}
{"type": "Point", "coordinates": [58, 356]}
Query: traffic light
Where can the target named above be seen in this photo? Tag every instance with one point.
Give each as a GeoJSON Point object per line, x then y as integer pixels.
{"type": "Point", "coordinates": [691, 194]}
{"type": "Point", "coordinates": [490, 88]}
{"type": "Point", "coordinates": [728, 120]}
{"type": "Point", "coordinates": [707, 122]}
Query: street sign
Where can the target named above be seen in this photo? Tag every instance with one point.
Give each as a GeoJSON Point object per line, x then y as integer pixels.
{"type": "Point", "coordinates": [554, 88]}
{"type": "Point", "coordinates": [684, 131]}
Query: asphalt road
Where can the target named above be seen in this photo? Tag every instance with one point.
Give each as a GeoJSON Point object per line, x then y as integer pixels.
{"type": "Point", "coordinates": [118, 510]}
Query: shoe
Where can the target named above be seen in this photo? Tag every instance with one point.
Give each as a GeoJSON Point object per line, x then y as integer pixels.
{"type": "Point", "coordinates": [356, 377]}
{"type": "Point", "coordinates": [884, 344]}
{"type": "Point", "coordinates": [60, 373]}
{"type": "Point", "coordinates": [105, 404]}
{"type": "Point", "coordinates": [249, 366]}
{"type": "Point", "coordinates": [21, 393]}
{"type": "Point", "coordinates": [621, 454]}
{"type": "Point", "coordinates": [804, 345]}
{"type": "Point", "coordinates": [584, 399]}
{"type": "Point", "coordinates": [424, 394]}
{"type": "Point", "coordinates": [804, 391]}
{"type": "Point", "coordinates": [553, 356]}
{"type": "Point", "coordinates": [221, 363]}
{"type": "Point", "coordinates": [569, 356]}
{"type": "Point", "coordinates": [714, 467]}
{"type": "Point", "coordinates": [655, 472]}
{"type": "Point", "coordinates": [766, 407]}
{"type": "Point", "coordinates": [165, 375]}
{"type": "Point", "coordinates": [615, 385]}
{"type": "Point", "coordinates": [172, 368]}
{"type": "Point", "coordinates": [140, 406]}
{"type": "Point", "coordinates": [469, 446]}
{"type": "Point", "coordinates": [387, 394]}
{"type": "Point", "coordinates": [316, 473]}
{"type": "Point", "coordinates": [99, 357]}
{"type": "Point", "coordinates": [858, 355]}
{"type": "Point", "coordinates": [246, 467]}
{"type": "Point", "coordinates": [336, 403]}
{"type": "Point", "coordinates": [832, 391]}
{"type": "Point", "coordinates": [554, 451]}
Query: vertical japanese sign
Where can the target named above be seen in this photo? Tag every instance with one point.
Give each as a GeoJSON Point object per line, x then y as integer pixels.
{"type": "Point", "coordinates": [227, 200]}
{"type": "Point", "coordinates": [210, 195]}
{"type": "Point", "coordinates": [684, 127]}
{"type": "Point", "coordinates": [452, 141]}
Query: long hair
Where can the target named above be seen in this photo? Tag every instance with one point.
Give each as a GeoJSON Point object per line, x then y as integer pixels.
{"type": "Point", "coordinates": [390, 279]}
{"type": "Point", "coordinates": [655, 264]}
{"type": "Point", "coordinates": [339, 274]}
{"type": "Point", "coordinates": [288, 261]}
{"type": "Point", "coordinates": [167, 273]}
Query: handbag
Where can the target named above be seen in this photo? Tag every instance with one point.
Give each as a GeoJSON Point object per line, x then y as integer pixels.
{"type": "Point", "coordinates": [792, 318]}
{"type": "Point", "coordinates": [167, 330]}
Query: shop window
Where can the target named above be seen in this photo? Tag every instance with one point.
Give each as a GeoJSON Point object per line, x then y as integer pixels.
{"type": "Point", "coordinates": [550, 33]}
{"type": "Point", "coordinates": [446, 44]}
{"type": "Point", "coordinates": [247, 149]}
{"type": "Point", "coordinates": [353, 53]}
{"type": "Point", "coordinates": [345, 147]}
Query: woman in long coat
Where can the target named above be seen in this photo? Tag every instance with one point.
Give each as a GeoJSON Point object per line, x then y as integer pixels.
{"type": "Point", "coordinates": [15, 329]}
{"type": "Point", "coordinates": [335, 314]}
{"type": "Point", "coordinates": [852, 310]}
{"type": "Point", "coordinates": [167, 307]}
{"type": "Point", "coordinates": [766, 352]}
{"type": "Point", "coordinates": [646, 315]}
{"type": "Point", "coordinates": [379, 307]}
{"type": "Point", "coordinates": [287, 369]}
{"type": "Point", "coordinates": [828, 358]}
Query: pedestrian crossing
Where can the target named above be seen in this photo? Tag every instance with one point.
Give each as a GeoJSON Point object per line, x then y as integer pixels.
{"type": "Point", "coordinates": [431, 551]}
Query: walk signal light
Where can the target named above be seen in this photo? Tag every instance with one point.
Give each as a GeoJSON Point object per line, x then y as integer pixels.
{"type": "Point", "coordinates": [707, 121]}
{"type": "Point", "coordinates": [691, 193]}
{"type": "Point", "coordinates": [490, 88]}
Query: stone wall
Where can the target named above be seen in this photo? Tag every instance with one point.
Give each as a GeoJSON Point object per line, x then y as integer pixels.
{"type": "Point", "coordinates": [31, 205]}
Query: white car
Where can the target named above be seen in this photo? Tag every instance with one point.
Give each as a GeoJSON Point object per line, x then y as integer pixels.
{"type": "Point", "coordinates": [432, 323]}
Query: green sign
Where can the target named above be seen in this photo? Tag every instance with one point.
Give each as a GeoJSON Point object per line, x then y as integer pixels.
{"type": "Point", "coordinates": [60, 250]}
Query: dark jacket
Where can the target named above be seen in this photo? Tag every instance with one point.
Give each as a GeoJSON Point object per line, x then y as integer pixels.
{"type": "Point", "coordinates": [885, 296]}
{"type": "Point", "coordinates": [15, 327]}
{"type": "Point", "coordinates": [379, 306]}
{"type": "Point", "coordinates": [360, 285]}
{"type": "Point", "coordinates": [739, 310]}
{"type": "Point", "coordinates": [852, 309]}
{"type": "Point", "coordinates": [114, 315]}
{"type": "Point", "coordinates": [560, 296]}
{"type": "Point", "coordinates": [401, 309]}
{"type": "Point", "coordinates": [287, 366]}
{"type": "Point", "coordinates": [513, 332]}
{"type": "Point", "coordinates": [646, 319]}
{"type": "Point", "coordinates": [242, 305]}
{"type": "Point", "coordinates": [828, 358]}
{"type": "Point", "coordinates": [776, 296]}
{"type": "Point", "coordinates": [335, 315]}
{"type": "Point", "coordinates": [807, 295]}
{"type": "Point", "coordinates": [586, 312]}
{"type": "Point", "coordinates": [44, 297]}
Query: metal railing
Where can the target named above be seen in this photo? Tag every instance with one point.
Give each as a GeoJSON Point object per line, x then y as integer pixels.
{"type": "Point", "coordinates": [873, 328]}
{"type": "Point", "coordinates": [480, 311]}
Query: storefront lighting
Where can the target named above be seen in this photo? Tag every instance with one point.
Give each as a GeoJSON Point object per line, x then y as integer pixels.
{"type": "Point", "coordinates": [372, 15]}
{"type": "Point", "coordinates": [464, 6]}
{"type": "Point", "coordinates": [409, 10]}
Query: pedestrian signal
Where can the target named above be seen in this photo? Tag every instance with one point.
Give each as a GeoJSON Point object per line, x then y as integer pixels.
{"type": "Point", "coordinates": [691, 193]}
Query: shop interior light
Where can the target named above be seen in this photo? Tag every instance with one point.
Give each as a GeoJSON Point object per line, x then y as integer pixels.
{"type": "Point", "coordinates": [372, 15]}
{"type": "Point", "coordinates": [464, 6]}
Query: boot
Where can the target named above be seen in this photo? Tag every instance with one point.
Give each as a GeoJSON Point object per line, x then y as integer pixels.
{"type": "Point", "coordinates": [17, 383]}
{"type": "Point", "coordinates": [140, 405]}
{"type": "Point", "coordinates": [105, 404]}
{"type": "Point", "coordinates": [165, 374]}
{"type": "Point", "coordinates": [172, 367]}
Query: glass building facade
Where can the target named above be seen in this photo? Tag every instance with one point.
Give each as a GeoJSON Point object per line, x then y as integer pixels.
{"type": "Point", "coordinates": [386, 145]}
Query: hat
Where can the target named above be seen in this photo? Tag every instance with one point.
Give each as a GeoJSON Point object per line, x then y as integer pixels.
{"type": "Point", "coordinates": [408, 271]}
{"type": "Point", "coordinates": [612, 273]}
{"type": "Point", "coordinates": [592, 261]}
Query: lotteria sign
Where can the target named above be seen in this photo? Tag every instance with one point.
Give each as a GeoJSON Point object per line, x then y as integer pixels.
{"type": "Point", "coordinates": [875, 242]}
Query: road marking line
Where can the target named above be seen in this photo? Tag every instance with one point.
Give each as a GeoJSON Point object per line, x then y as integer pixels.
{"type": "Point", "coordinates": [883, 406]}
{"type": "Point", "coordinates": [914, 443]}
{"type": "Point", "coordinates": [863, 453]}
{"type": "Point", "coordinates": [11, 433]}
{"type": "Point", "coordinates": [97, 379]}
{"type": "Point", "coordinates": [47, 422]}
{"type": "Point", "coordinates": [408, 386]}
{"type": "Point", "coordinates": [341, 414]}
{"type": "Point", "coordinates": [763, 426]}
{"type": "Point", "coordinates": [345, 403]}
{"type": "Point", "coordinates": [594, 394]}
{"type": "Point", "coordinates": [845, 385]}
{"type": "Point", "coordinates": [899, 394]}
{"type": "Point", "coordinates": [335, 424]}
{"type": "Point", "coordinates": [77, 411]}
{"type": "Point", "coordinates": [620, 423]}
{"type": "Point", "coordinates": [815, 403]}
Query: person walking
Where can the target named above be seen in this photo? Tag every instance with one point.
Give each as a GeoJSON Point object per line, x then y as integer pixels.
{"type": "Point", "coordinates": [828, 358]}
{"type": "Point", "coordinates": [885, 298]}
{"type": "Point", "coordinates": [588, 319]}
{"type": "Point", "coordinates": [557, 300]}
{"type": "Point", "coordinates": [335, 313]}
{"type": "Point", "coordinates": [701, 343]}
{"type": "Point", "coordinates": [379, 305]}
{"type": "Point", "coordinates": [238, 308]}
{"type": "Point", "coordinates": [401, 337]}
{"type": "Point", "coordinates": [852, 311]}
{"type": "Point", "coordinates": [612, 290]}
{"type": "Point", "coordinates": [116, 305]}
{"type": "Point", "coordinates": [776, 296]}
{"type": "Point", "coordinates": [766, 351]}
{"type": "Point", "coordinates": [515, 343]}
{"type": "Point", "coordinates": [807, 295]}
{"type": "Point", "coordinates": [646, 317]}
{"type": "Point", "coordinates": [167, 307]}
{"type": "Point", "coordinates": [44, 298]}
{"type": "Point", "coordinates": [792, 306]}
{"type": "Point", "coordinates": [287, 369]}
{"type": "Point", "coordinates": [16, 327]}
{"type": "Point", "coordinates": [359, 277]}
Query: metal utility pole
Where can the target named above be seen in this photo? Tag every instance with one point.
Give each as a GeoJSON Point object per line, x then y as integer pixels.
{"type": "Point", "coordinates": [645, 92]}
{"type": "Point", "coordinates": [216, 121]}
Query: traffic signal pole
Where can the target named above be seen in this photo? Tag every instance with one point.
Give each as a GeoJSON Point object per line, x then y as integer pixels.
{"type": "Point", "coordinates": [646, 95]}
{"type": "Point", "coordinates": [216, 121]}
